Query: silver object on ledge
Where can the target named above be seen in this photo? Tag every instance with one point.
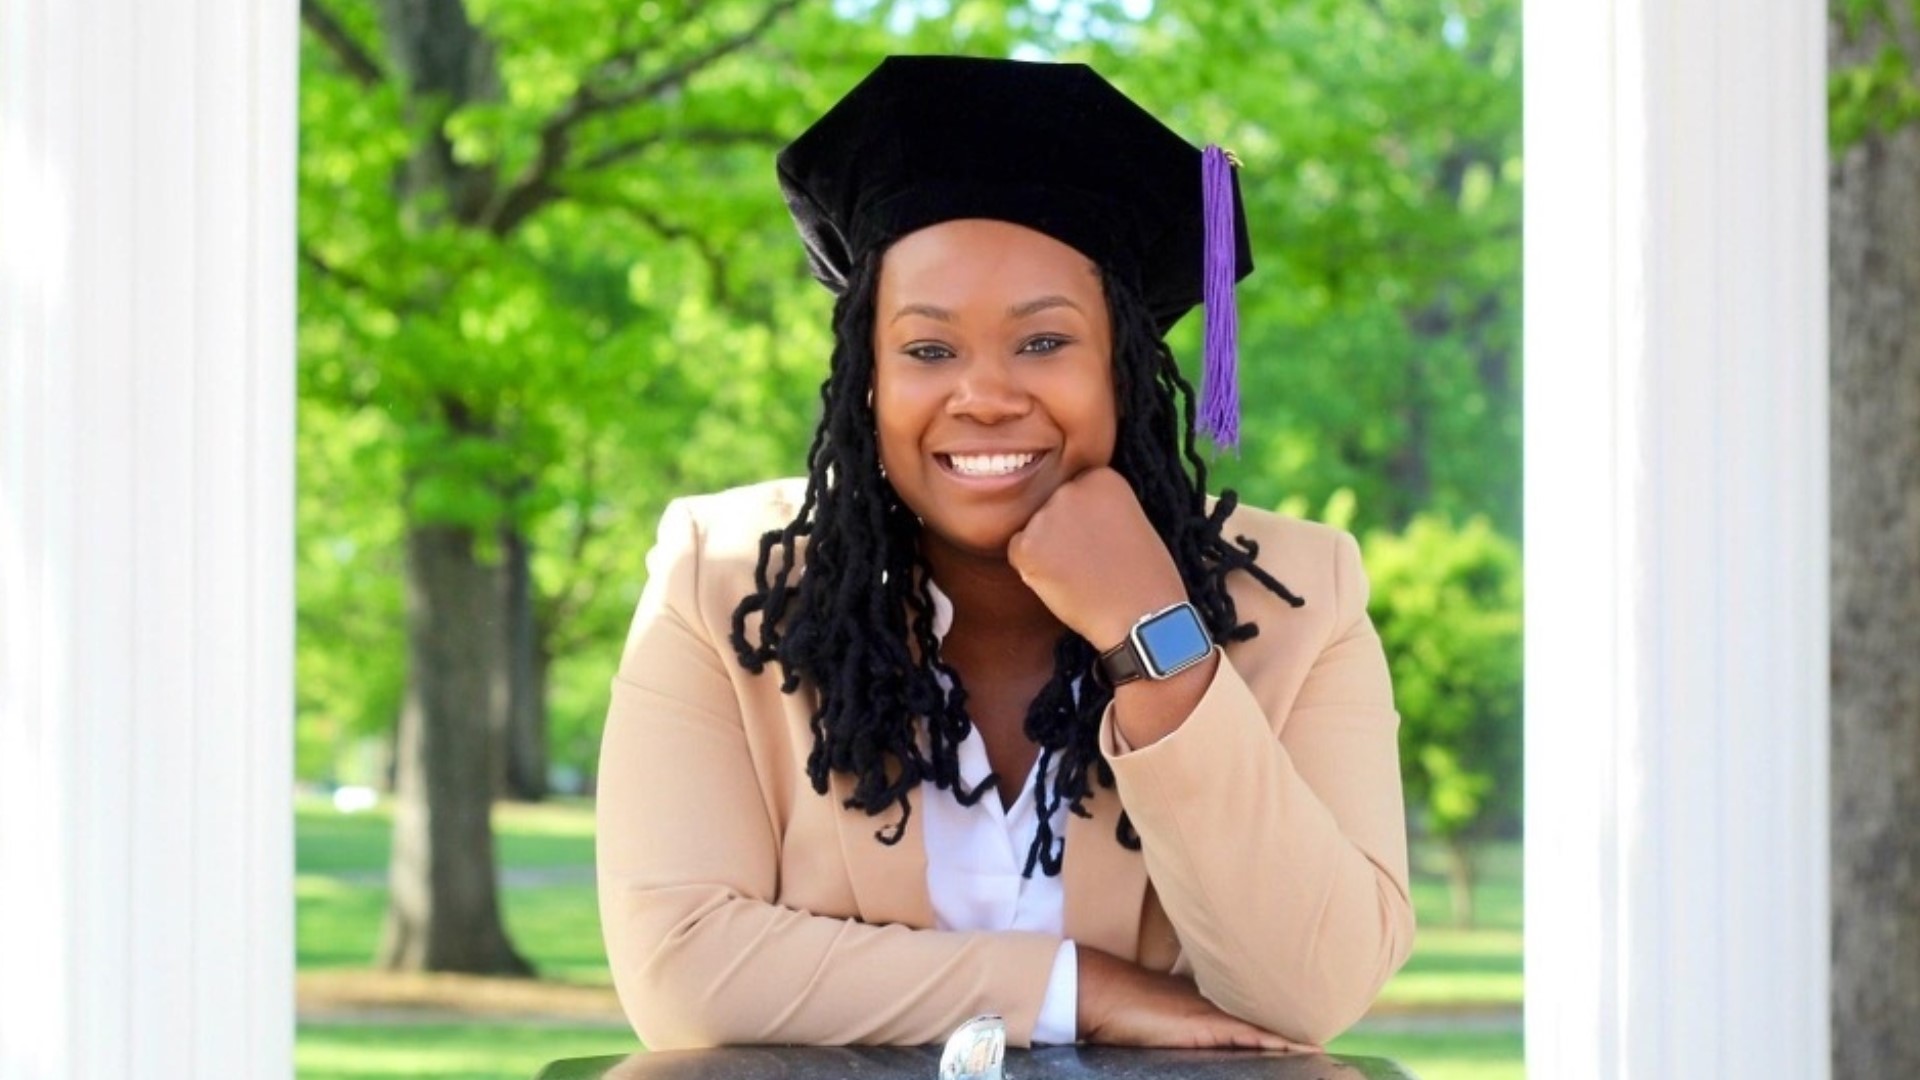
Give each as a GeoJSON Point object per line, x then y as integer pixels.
{"type": "Point", "coordinates": [975, 1050]}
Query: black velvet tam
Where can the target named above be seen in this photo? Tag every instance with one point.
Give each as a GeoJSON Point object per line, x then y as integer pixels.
{"type": "Point", "coordinates": [1053, 147]}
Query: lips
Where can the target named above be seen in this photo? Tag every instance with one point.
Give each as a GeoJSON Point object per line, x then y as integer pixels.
{"type": "Point", "coordinates": [987, 466]}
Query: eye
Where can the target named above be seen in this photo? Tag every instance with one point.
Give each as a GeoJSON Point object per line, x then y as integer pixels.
{"type": "Point", "coordinates": [927, 351]}
{"type": "Point", "coordinates": [1045, 343]}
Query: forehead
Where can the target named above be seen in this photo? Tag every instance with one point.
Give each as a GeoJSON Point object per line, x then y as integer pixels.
{"type": "Point", "coordinates": [973, 257]}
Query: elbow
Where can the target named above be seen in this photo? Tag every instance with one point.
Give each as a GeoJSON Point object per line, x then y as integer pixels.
{"type": "Point", "coordinates": [670, 986]}
{"type": "Point", "coordinates": [1319, 1000]}
{"type": "Point", "coordinates": [662, 1018]}
{"type": "Point", "coordinates": [670, 1009]}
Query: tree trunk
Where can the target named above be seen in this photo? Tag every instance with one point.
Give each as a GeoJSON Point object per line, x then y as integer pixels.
{"type": "Point", "coordinates": [1875, 417]}
{"type": "Point", "coordinates": [1461, 878]}
{"type": "Point", "coordinates": [525, 738]}
{"type": "Point", "coordinates": [444, 914]}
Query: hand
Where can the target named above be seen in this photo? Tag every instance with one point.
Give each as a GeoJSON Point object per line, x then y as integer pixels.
{"type": "Point", "coordinates": [1123, 1004]}
{"type": "Point", "coordinates": [1094, 559]}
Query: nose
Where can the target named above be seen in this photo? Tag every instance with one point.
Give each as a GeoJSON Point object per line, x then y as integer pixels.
{"type": "Point", "coordinates": [989, 391]}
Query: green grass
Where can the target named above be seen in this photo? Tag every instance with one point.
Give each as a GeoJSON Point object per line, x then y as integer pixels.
{"type": "Point", "coordinates": [556, 834]}
{"type": "Point", "coordinates": [341, 900]}
{"type": "Point", "coordinates": [455, 1052]}
{"type": "Point", "coordinates": [1457, 968]}
{"type": "Point", "coordinates": [340, 894]}
{"type": "Point", "coordinates": [1450, 1056]}
{"type": "Point", "coordinates": [1464, 968]}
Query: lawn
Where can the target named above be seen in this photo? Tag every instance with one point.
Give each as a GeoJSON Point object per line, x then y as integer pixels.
{"type": "Point", "coordinates": [341, 896]}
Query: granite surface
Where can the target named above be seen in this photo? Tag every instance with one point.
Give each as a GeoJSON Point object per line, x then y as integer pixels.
{"type": "Point", "coordinates": [921, 1063]}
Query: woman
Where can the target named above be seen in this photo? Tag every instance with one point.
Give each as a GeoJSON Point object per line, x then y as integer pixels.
{"type": "Point", "coordinates": [994, 711]}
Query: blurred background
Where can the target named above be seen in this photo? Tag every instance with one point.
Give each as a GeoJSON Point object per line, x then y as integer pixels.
{"type": "Point", "coordinates": [548, 283]}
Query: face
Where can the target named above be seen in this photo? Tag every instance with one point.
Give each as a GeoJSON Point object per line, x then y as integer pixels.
{"type": "Point", "coordinates": [993, 377]}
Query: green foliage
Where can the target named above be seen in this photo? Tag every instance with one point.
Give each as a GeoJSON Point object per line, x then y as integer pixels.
{"type": "Point", "coordinates": [1880, 93]}
{"type": "Point", "coordinates": [650, 330]}
{"type": "Point", "coordinates": [1447, 603]}
{"type": "Point", "coordinates": [1380, 330]}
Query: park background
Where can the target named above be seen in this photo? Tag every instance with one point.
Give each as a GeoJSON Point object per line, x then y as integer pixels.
{"type": "Point", "coordinates": [1702, 527]}
{"type": "Point", "coordinates": [1721, 266]}
{"type": "Point", "coordinates": [547, 283]}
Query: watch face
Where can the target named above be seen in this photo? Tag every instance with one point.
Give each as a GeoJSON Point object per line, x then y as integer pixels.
{"type": "Point", "coordinates": [1172, 640]}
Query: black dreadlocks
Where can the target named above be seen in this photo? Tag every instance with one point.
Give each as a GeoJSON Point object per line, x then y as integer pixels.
{"type": "Point", "coordinates": [858, 623]}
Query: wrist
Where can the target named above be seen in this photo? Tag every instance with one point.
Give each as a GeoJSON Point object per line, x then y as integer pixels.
{"type": "Point", "coordinates": [1145, 712]}
{"type": "Point", "coordinates": [1090, 1005]}
{"type": "Point", "coordinates": [1158, 645]}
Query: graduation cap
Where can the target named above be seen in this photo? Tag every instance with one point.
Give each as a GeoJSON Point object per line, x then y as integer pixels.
{"type": "Point", "coordinates": [1053, 147]}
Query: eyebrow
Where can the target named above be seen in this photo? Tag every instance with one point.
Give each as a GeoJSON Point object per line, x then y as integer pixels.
{"type": "Point", "coordinates": [1021, 310]}
{"type": "Point", "coordinates": [939, 314]}
{"type": "Point", "coordinates": [1036, 306]}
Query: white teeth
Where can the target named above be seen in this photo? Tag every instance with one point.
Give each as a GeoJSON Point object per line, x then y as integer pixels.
{"type": "Point", "coordinates": [989, 464]}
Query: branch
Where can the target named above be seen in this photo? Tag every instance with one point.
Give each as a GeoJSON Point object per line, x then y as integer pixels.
{"type": "Point", "coordinates": [345, 277]}
{"type": "Point", "coordinates": [357, 61]}
{"type": "Point", "coordinates": [621, 151]}
{"type": "Point", "coordinates": [536, 186]}
{"type": "Point", "coordinates": [673, 233]}
{"type": "Point", "coordinates": [676, 76]}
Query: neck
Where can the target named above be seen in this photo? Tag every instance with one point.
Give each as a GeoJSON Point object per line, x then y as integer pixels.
{"type": "Point", "coordinates": [988, 593]}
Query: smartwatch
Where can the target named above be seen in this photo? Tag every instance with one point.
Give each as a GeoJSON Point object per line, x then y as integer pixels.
{"type": "Point", "coordinates": [1160, 646]}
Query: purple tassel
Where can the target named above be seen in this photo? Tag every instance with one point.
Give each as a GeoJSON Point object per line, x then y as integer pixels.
{"type": "Point", "coordinates": [1220, 374]}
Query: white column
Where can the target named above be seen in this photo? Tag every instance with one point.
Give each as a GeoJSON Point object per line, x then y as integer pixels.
{"type": "Point", "coordinates": [146, 477]}
{"type": "Point", "coordinates": [1676, 535]}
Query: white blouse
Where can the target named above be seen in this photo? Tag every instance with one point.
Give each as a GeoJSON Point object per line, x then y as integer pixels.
{"type": "Point", "coordinates": [974, 858]}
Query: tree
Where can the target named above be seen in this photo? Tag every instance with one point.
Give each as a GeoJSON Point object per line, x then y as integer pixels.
{"type": "Point", "coordinates": [1380, 330]}
{"type": "Point", "coordinates": [1446, 600]}
{"type": "Point", "coordinates": [1874, 187]}
{"type": "Point", "coordinates": [547, 283]}
{"type": "Point", "coordinates": [448, 290]}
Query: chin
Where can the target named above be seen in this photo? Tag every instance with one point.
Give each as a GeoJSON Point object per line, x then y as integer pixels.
{"type": "Point", "coordinates": [976, 544]}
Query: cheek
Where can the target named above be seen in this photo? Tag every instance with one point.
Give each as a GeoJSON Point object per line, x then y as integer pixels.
{"type": "Point", "coordinates": [894, 424]}
{"type": "Point", "coordinates": [1100, 419]}
{"type": "Point", "coordinates": [896, 446]}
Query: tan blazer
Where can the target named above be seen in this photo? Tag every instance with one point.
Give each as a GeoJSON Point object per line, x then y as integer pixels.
{"type": "Point", "coordinates": [741, 907]}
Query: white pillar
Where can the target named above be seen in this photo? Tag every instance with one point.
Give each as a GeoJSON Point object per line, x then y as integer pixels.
{"type": "Point", "coordinates": [146, 478]}
{"type": "Point", "coordinates": [1676, 535]}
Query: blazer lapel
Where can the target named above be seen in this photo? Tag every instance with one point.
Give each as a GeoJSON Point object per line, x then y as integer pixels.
{"type": "Point", "coordinates": [889, 880]}
{"type": "Point", "coordinates": [1106, 884]}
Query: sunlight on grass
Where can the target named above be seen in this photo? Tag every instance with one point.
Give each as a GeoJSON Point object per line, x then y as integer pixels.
{"type": "Point", "coordinates": [537, 835]}
{"type": "Point", "coordinates": [1454, 1056]}
{"type": "Point", "coordinates": [1463, 968]}
{"type": "Point", "coordinates": [336, 924]}
{"type": "Point", "coordinates": [453, 1052]}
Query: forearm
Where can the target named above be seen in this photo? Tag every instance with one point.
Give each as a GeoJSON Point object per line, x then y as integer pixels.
{"type": "Point", "coordinates": [1148, 710]}
{"type": "Point", "coordinates": [698, 968]}
{"type": "Point", "coordinates": [1297, 919]}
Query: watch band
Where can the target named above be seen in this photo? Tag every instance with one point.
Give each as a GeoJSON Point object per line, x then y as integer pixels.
{"type": "Point", "coordinates": [1140, 655]}
{"type": "Point", "coordinates": [1121, 664]}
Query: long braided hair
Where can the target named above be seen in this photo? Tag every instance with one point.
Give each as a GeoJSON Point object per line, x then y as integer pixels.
{"type": "Point", "coordinates": [858, 624]}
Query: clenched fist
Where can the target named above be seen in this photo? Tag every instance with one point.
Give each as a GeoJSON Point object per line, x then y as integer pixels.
{"type": "Point", "coordinates": [1093, 558]}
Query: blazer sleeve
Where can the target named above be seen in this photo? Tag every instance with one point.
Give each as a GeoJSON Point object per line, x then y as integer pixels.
{"type": "Point", "coordinates": [702, 951]}
{"type": "Point", "coordinates": [1277, 843]}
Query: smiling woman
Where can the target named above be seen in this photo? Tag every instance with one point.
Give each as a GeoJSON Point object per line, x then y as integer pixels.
{"type": "Point", "coordinates": [1050, 738]}
{"type": "Point", "coordinates": [993, 379]}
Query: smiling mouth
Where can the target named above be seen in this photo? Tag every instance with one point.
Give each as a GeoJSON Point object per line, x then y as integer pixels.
{"type": "Point", "coordinates": [987, 465]}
